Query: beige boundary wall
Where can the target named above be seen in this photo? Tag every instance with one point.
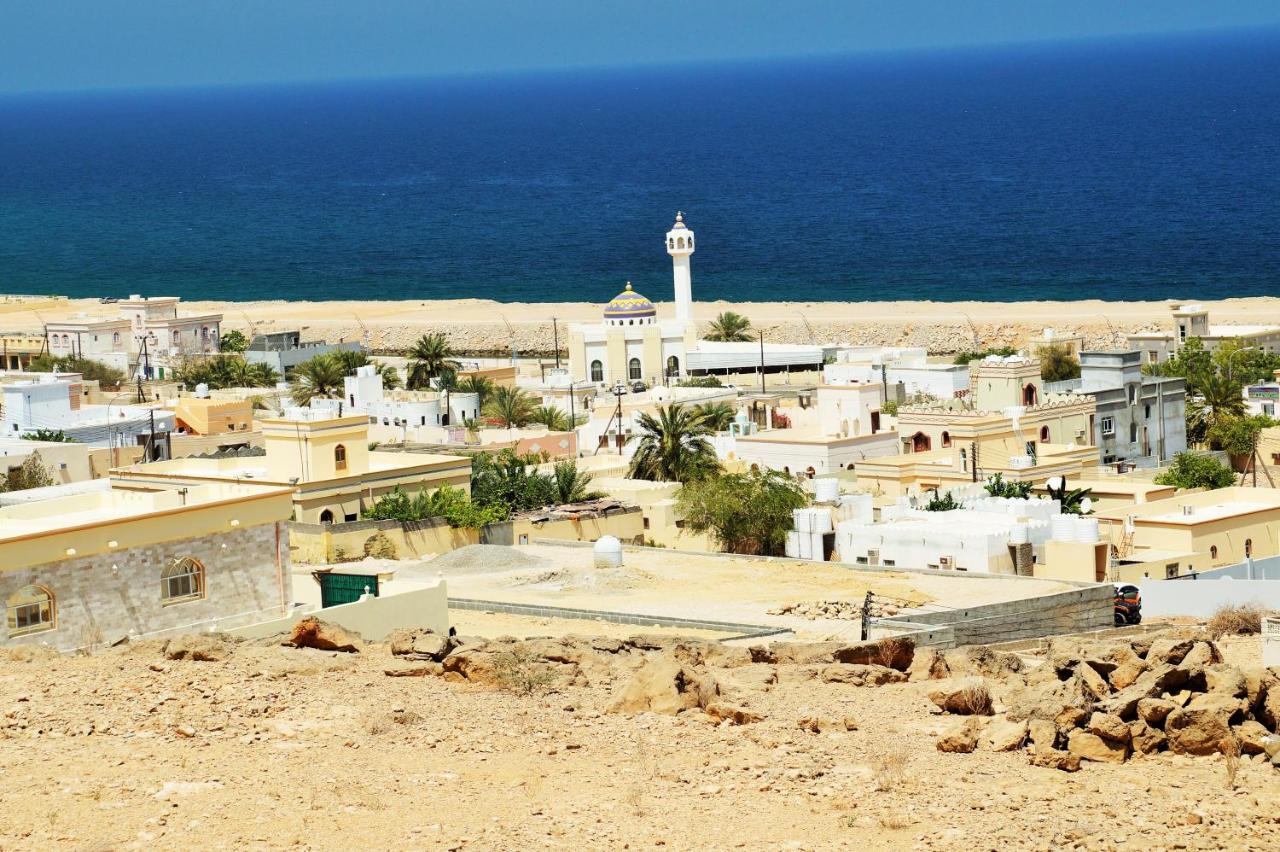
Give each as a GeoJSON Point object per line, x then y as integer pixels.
{"type": "Point", "coordinates": [373, 618]}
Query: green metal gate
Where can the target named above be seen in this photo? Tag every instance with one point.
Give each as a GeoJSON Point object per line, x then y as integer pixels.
{"type": "Point", "coordinates": [338, 589]}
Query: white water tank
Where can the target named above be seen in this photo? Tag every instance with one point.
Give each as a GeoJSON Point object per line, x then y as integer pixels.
{"type": "Point", "coordinates": [1019, 534]}
{"type": "Point", "coordinates": [202, 391]}
{"type": "Point", "coordinates": [607, 552]}
{"type": "Point", "coordinates": [1087, 530]}
{"type": "Point", "coordinates": [826, 489]}
{"type": "Point", "coordinates": [1062, 528]}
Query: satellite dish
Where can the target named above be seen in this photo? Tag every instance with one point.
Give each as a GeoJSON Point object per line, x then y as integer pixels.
{"type": "Point", "coordinates": [1054, 482]}
{"type": "Point", "coordinates": [1086, 506]}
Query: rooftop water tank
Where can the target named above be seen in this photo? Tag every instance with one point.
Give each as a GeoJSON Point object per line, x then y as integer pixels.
{"type": "Point", "coordinates": [202, 391]}
{"type": "Point", "coordinates": [1062, 528]}
{"type": "Point", "coordinates": [607, 552]}
{"type": "Point", "coordinates": [826, 489]}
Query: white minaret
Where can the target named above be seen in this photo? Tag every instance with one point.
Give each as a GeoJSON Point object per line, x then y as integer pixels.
{"type": "Point", "coordinates": [680, 246]}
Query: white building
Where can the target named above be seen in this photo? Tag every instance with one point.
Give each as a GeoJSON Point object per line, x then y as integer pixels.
{"type": "Point", "coordinates": [363, 394]}
{"type": "Point", "coordinates": [54, 404]}
{"type": "Point", "coordinates": [148, 335]}
{"type": "Point", "coordinates": [632, 344]}
{"type": "Point", "coordinates": [1192, 320]}
{"type": "Point", "coordinates": [890, 366]}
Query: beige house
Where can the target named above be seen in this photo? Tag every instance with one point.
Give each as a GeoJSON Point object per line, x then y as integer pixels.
{"type": "Point", "coordinates": [1195, 531]}
{"type": "Point", "coordinates": [327, 460]}
{"type": "Point", "coordinates": [1010, 426]}
{"type": "Point", "coordinates": [1192, 320]}
{"type": "Point", "coordinates": [94, 568]}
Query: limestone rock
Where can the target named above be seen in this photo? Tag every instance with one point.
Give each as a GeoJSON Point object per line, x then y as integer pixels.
{"type": "Point", "coordinates": [419, 644]}
{"type": "Point", "coordinates": [1054, 759]}
{"type": "Point", "coordinates": [961, 737]}
{"type": "Point", "coordinates": [1094, 685]}
{"type": "Point", "coordinates": [1225, 679]}
{"type": "Point", "coordinates": [721, 712]}
{"type": "Point", "coordinates": [1127, 673]}
{"type": "Point", "coordinates": [1250, 734]}
{"type": "Point", "coordinates": [1169, 650]}
{"type": "Point", "coordinates": [1109, 727]}
{"type": "Point", "coordinates": [1003, 735]}
{"type": "Point", "coordinates": [1043, 733]}
{"type": "Point", "coordinates": [665, 686]}
{"type": "Point", "coordinates": [311, 632]}
{"type": "Point", "coordinates": [1145, 739]}
{"type": "Point", "coordinates": [861, 675]}
{"type": "Point", "coordinates": [979, 660]}
{"type": "Point", "coordinates": [1199, 727]}
{"type": "Point", "coordinates": [1153, 711]}
{"type": "Point", "coordinates": [929, 664]}
{"type": "Point", "coordinates": [895, 653]}
{"type": "Point", "coordinates": [200, 647]}
{"type": "Point", "coordinates": [963, 698]}
{"type": "Point", "coordinates": [1087, 746]}
{"type": "Point", "coordinates": [1202, 654]}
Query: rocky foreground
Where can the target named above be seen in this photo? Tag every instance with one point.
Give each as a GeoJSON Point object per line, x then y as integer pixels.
{"type": "Point", "coordinates": [437, 743]}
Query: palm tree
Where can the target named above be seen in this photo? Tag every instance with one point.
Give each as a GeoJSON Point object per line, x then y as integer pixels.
{"type": "Point", "coordinates": [320, 376]}
{"type": "Point", "coordinates": [353, 359]}
{"type": "Point", "coordinates": [479, 385]}
{"type": "Point", "coordinates": [1220, 400]}
{"type": "Point", "coordinates": [551, 417]}
{"type": "Point", "coordinates": [511, 407]}
{"type": "Point", "coordinates": [717, 415]}
{"type": "Point", "coordinates": [262, 376]}
{"type": "Point", "coordinates": [729, 327]}
{"type": "Point", "coordinates": [673, 446]}
{"type": "Point", "coordinates": [430, 355]}
{"type": "Point", "coordinates": [571, 483]}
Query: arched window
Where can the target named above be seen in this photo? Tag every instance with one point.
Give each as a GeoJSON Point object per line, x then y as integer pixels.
{"type": "Point", "coordinates": [1213, 552]}
{"type": "Point", "coordinates": [204, 332]}
{"type": "Point", "coordinates": [175, 336]}
{"type": "Point", "coordinates": [1248, 547]}
{"type": "Point", "coordinates": [31, 609]}
{"type": "Point", "coordinates": [597, 371]}
{"type": "Point", "coordinates": [1029, 394]}
{"type": "Point", "coordinates": [691, 242]}
{"type": "Point", "coordinates": [671, 243]}
{"type": "Point", "coordinates": [633, 368]}
{"type": "Point", "coordinates": [1044, 434]}
{"type": "Point", "coordinates": [680, 242]}
{"type": "Point", "coordinates": [920, 443]}
{"type": "Point", "coordinates": [1133, 433]}
{"type": "Point", "coordinates": [115, 338]}
{"type": "Point", "coordinates": [326, 517]}
{"type": "Point", "coordinates": [182, 581]}
{"type": "Point", "coordinates": [673, 366]}
{"type": "Point", "coordinates": [946, 439]}
{"type": "Point", "coordinates": [66, 341]}
{"type": "Point", "coordinates": [340, 457]}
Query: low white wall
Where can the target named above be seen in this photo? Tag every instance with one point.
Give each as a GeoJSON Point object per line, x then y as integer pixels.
{"type": "Point", "coordinates": [1199, 598]}
{"type": "Point", "coordinates": [373, 618]}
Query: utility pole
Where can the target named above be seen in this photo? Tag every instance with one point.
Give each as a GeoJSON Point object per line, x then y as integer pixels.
{"type": "Point", "coordinates": [555, 337]}
{"type": "Point", "coordinates": [762, 361]}
{"type": "Point", "coordinates": [866, 617]}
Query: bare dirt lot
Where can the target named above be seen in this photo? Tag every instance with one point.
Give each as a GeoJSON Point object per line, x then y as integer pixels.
{"type": "Point", "coordinates": [275, 747]}
{"type": "Point", "coordinates": [741, 590]}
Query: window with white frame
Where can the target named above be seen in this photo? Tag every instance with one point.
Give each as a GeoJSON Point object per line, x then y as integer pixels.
{"type": "Point", "coordinates": [1108, 426]}
{"type": "Point", "coordinates": [182, 581]}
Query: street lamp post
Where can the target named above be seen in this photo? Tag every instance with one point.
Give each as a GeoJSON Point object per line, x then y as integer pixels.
{"type": "Point", "coordinates": [762, 361]}
{"type": "Point", "coordinates": [619, 391]}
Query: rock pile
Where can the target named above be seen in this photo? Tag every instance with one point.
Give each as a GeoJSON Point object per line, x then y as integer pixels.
{"type": "Point", "coordinates": [1107, 703]}
{"type": "Point", "coordinates": [837, 610]}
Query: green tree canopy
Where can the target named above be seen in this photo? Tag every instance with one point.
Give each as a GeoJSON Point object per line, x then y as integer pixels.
{"type": "Point", "coordinates": [48, 435]}
{"type": "Point", "coordinates": [1058, 363]}
{"type": "Point", "coordinates": [1190, 470]}
{"type": "Point", "coordinates": [95, 371]}
{"type": "Point", "coordinates": [233, 341]}
{"type": "Point", "coordinates": [225, 370]}
{"type": "Point", "coordinates": [729, 326]}
{"type": "Point", "coordinates": [430, 355]}
{"type": "Point", "coordinates": [353, 359]}
{"type": "Point", "coordinates": [32, 473]}
{"type": "Point", "coordinates": [746, 513]}
{"type": "Point", "coordinates": [673, 446]}
{"type": "Point", "coordinates": [510, 407]}
{"type": "Point", "coordinates": [318, 377]}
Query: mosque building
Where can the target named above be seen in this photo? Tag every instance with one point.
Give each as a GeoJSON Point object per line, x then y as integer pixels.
{"type": "Point", "coordinates": [632, 343]}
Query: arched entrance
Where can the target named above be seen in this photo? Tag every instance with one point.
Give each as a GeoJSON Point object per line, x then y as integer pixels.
{"type": "Point", "coordinates": [920, 443]}
{"type": "Point", "coordinates": [326, 517]}
{"type": "Point", "coordinates": [1029, 395]}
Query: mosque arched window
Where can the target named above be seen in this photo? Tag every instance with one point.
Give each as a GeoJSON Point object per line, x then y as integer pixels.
{"type": "Point", "coordinates": [633, 368]}
{"type": "Point", "coordinates": [673, 366]}
{"type": "Point", "coordinates": [680, 242]}
{"type": "Point", "coordinates": [597, 371]}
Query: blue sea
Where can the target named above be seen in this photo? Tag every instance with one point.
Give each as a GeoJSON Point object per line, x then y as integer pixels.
{"type": "Point", "coordinates": [1116, 170]}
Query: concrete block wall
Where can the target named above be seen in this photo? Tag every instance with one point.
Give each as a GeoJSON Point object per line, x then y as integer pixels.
{"type": "Point", "coordinates": [1076, 611]}
{"type": "Point", "coordinates": [96, 605]}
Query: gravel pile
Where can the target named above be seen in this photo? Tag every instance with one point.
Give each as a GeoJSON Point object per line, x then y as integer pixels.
{"type": "Point", "coordinates": [485, 559]}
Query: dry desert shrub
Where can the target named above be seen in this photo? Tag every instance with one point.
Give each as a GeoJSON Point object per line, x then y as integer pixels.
{"type": "Point", "coordinates": [1230, 747]}
{"type": "Point", "coordinates": [520, 672]}
{"type": "Point", "coordinates": [889, 769]}
{"type": "Point", "coordinates": [1239, 620]}
{"type": "Point", "coordinates": [976, 698]}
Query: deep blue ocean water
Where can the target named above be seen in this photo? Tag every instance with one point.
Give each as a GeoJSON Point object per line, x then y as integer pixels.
{"type": "Point", "coordinates": [1115, 170]}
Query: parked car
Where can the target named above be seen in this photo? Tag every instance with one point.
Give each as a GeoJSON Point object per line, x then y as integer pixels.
{"type": "Point", "coordinates": [638, 386]}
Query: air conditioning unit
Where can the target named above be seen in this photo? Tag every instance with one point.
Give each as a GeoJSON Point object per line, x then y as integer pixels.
{"type": "Point", "coordinates": [946, 562]}
{"type": "Point", "coordinates": [873, 557]}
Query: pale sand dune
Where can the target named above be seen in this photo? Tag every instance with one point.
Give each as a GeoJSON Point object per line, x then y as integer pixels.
{"type": "Point", "coordinates": [477, 324]}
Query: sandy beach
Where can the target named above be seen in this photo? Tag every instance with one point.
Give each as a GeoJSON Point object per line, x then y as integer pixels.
{"type": "Point", "coordinates": [479, 325]}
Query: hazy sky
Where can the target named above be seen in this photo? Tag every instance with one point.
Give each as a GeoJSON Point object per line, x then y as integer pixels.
{"type": "Point", "coordinates": [77, 44]}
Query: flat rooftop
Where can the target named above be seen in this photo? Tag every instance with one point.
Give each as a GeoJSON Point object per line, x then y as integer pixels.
{"type": "Point", "coordinates": [98, 507]}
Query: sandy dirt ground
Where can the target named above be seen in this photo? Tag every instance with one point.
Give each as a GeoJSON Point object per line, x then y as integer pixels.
{"type": "Point", "coordinates": [278, 748]}
{"type": "Point", "coordinates": [471, 622]}
{"type": "Point", "coordinates": [478, 324]}
{"type": "Point", "coordinates": [742, 591]}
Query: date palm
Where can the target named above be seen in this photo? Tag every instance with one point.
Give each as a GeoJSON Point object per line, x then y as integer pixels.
{"type": "Point", "coordinates": [729, 327]}
{"type": "Point", "coordinates": [552, 417]}
{"type": "Point", "coordinates": [717, 415]}
{"type": "Point", "coordinates": [353, 359]}
{"type": "Point", "coordinates": [571, 483]}
{"type": "Point", "coordinates": [480, 386]}
{"type": "Point", "coordinates": [320, 376]}
{"type": "Point", "coordinates": [430, 356]}
{"type": "Point", "coordinates": [673, 446]}
{"type": "Point", "coordinates": [511, 407]}
{"type": "Point", "coordinates": [1220, 401]}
